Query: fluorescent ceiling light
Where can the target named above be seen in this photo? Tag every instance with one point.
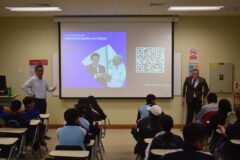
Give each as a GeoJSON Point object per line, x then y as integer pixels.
{"type": "Point", "coordinates": [194, 8]}
{"type": "Point", "coordinates": [33, 9]}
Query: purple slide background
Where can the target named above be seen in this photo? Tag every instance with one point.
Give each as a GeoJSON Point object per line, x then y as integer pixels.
{"type": "Point", "coordinates": [74, 50]}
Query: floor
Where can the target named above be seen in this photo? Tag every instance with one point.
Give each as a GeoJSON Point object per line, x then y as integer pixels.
{"type": "Point", "coordinates": [118, 143]}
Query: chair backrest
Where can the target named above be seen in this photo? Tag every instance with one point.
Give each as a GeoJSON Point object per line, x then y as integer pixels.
{"type": "Point", "coordinates": [64, 147]}
{"type": "Point", "coordinates": [15, 121]}
{"type": "Point", "coordinates": [207, 117]}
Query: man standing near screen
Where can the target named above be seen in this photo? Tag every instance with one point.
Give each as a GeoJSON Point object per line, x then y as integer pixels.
{"type": "Point", "coordinates": [194, 89]}
{"type": "Point", "coordinates": [97, 70]}
{"type": "Point", "coordinates": [37, 87]}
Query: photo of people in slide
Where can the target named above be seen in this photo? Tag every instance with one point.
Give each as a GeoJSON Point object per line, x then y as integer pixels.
{"type": "Point", "coordinates": [101, 59]}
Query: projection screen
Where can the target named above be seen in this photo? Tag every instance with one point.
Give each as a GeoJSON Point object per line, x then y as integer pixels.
{"type": "Point", "coordinates": [116, 59]}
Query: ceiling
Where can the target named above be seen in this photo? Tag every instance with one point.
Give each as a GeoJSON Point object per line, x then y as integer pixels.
{"type": "Point", "coordinates": [119, 7]}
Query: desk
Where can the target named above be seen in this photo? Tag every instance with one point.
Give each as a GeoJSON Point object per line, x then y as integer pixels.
{"type": "Point", "coordinates": [161, 152]}
{"type": "Point", "coordinates": [235, 141]}
{"type": "Point", "coordinates": [148, 140]}
{"type": "Point", "coordinates": [6, 100]}
{"type": "Point", "coordinates": [13, 130]}
{"type": "Point", "coordinates": [35, 122]}
{"type": "Point", "coordinates": [91, 143]}
{"type": "Point", "coordinates": [44, 116]}
{"type": "Point", "coordinates": [72, 154]}
{"type": "Point", "coordinates": [93, 149]}
{"type": "Point", "coordinates": [17, 131]}
{"type": "Point", "coordinates": [9, 142]}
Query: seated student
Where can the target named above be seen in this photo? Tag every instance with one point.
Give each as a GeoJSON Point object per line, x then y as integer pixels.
{"type": "Point", "coordinates": [231, 132]}
{"type": "Point", "coordinates": [224, 107]}
{"type": "Point", "coordinates": [17, 117]}
{"type": "Point", "coordinates": [13, 117]}
{"type": "Point", "coordinates": [164, 139]}
{"type": "Point", "coordinates": [143, 112]}
{"type": "Point", "coordinates": [71, 134]}
{"type": "Point", "coordinates": [82, 113]}
{"type": "Point", "coordinates": [96, 108]}
{"type": "Point", "coordinates": [211, 106]}
{"type": "Point", "coordinates": [195, 138]}
{"type": "Point", "coordinates": [30, 112]}
{"type": "Point", "coordinates": [148, 128]}
{"type": "Point", "coordinates": [91, 116]}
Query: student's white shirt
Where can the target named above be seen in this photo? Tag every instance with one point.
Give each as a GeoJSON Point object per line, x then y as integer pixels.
{"type": "Point", "coordinates": [37, 87]}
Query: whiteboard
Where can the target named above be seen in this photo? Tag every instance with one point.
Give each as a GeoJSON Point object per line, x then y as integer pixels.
{"type": "Point", "coordinates": [177, 73]}
{"type": "Point", "coordinates": [177, 82]}
{"type": "Point", "coordinates": [55, 73]}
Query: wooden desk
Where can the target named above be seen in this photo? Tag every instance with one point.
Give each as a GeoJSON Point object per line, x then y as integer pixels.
{"type": "Point", "coordinates": [161, 152]}
{"type": "Point", "coordinates": [235, 141]}
{"type": "Point", "coordinates": [13, 130]}
{"type": "Point", "coordinates": [44, 116]}
{"type": "Point", "coordinates": [18, 131]}
{"type": "Point", "coordinates": [148, 140]}
{"type": "Point", "coordinates": [72, 154]}
{"type": "Point", "coordinates": [35, 122]}
{"type": "Point", "coordinates": [7, 141]}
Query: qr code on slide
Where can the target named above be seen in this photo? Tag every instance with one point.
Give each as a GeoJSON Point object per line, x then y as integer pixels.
{"type": "Point", "coordinates": [150, 59]}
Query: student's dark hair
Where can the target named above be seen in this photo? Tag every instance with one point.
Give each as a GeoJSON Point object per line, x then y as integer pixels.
{"type": "Point", "coordinates": [155, 124]}
{"type": "Point", "coordinates": [81, 109]}
{"type": "Point", "coordinates": [212, 97]}
{"type": "Point", "coordinates": [150, 98]}
{"type": "Point", "coordinates": [38, 66]}
{"type": "Point", "coordinates": [70, 115]}
{"type": "Point", "coordinates": [166, 123]}
{"type": "Point", "coordinates": [224, 106]}
{"type": "Point", "coordinates": [95, 54]}
{"type": "Point", "coordinates": [94, 104]}
{"type": "Point", "coordinates": [92, 100]}
{"type": "Point", "coordinates": [84, 100]}
{"type": "Point", "coordinates": [27, 100]}
{"type": "Point", "coordinates": [15, 105]}
{"type": "Point", "coordinates": [194, 132]}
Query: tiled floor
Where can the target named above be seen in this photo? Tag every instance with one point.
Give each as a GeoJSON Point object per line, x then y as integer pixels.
{"type": "Point", "coordinates": [119, 144]}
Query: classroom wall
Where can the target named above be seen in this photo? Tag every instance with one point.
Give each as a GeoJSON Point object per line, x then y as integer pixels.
{"type": "Point", "coordinates": [21, 39]}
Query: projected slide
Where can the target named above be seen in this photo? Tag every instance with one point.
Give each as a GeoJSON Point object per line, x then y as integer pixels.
{"type": "Point", "coordinates": [115, 59]}
{"type": "Point", "coordinates": [99, 57]}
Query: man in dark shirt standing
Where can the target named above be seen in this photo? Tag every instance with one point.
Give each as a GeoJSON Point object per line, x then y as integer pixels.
{"type": "Point", "coordinates": [194, 89]}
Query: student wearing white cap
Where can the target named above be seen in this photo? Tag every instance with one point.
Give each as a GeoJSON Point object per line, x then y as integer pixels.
{"type": "Point", "coordinates": [148, 127]}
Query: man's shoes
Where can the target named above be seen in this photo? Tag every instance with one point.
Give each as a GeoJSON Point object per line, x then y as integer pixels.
{"type": "Point", "coordinates": [46, 137]}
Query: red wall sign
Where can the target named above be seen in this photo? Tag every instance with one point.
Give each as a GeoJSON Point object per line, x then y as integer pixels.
{"type": "Point", "coordinates": [39, 62]}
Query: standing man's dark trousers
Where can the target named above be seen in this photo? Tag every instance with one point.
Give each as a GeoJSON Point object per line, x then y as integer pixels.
{"type": "Point", "coordinates": [41, 105]}
{"type": "Point", "coordinates": [193, 107]}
